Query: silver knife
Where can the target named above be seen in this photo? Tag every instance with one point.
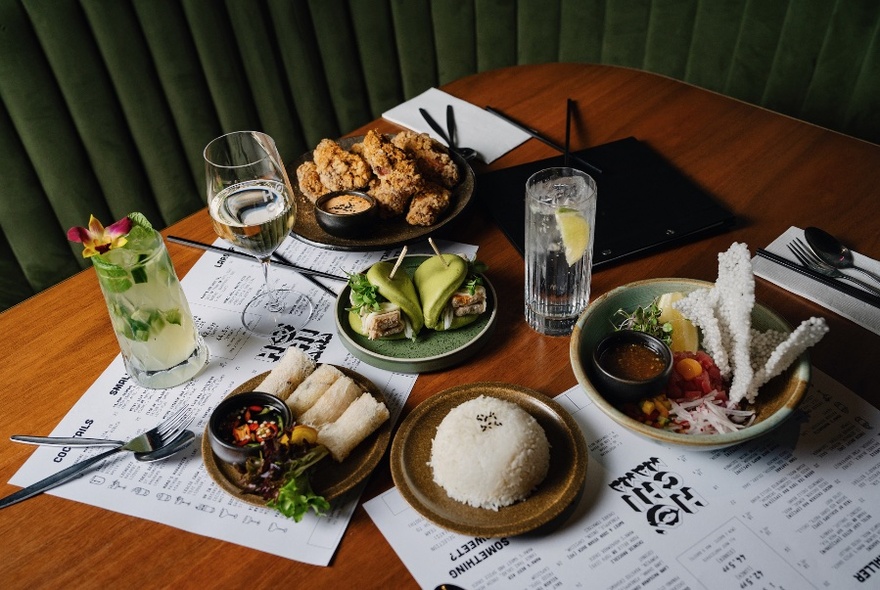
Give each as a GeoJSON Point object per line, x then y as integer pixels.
{"type": "Point", "coordinates": [863, 296]}
{"type": "Point", "coordinates": [56, 479]}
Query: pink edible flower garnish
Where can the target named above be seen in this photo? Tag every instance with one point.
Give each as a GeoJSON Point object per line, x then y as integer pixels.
{"type": "Point", "coordinates": [97, 239]}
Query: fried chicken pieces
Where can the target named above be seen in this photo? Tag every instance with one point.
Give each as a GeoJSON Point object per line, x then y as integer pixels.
{"type": "Point", "coordinates": [410, 176]}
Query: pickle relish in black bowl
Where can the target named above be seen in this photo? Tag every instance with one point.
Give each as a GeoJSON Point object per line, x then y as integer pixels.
{"type": "Point", "coordinates": [241, 423]}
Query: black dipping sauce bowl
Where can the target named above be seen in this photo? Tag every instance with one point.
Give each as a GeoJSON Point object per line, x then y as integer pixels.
{"type": "Point", "coordinates": [226, 451]}
{"type": "Point", "coordinates": [618, 389]}
{"type": "Point", "coordinates": [345, 221]}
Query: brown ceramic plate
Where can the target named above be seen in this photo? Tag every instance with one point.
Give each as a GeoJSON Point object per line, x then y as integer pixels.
{"type": "Point", "coordinates": [411, 451]}
{"type": "Point", "coordinates": [329, 478]}
{"type": "Point", "coordinates": [387, 234]}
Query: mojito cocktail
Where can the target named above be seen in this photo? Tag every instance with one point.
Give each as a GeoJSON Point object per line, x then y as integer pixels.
{"type": "Point", "coordinates": [160, 344]}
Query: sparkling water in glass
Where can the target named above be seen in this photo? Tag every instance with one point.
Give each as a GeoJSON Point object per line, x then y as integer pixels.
{"type": "Point", "coordinates": [560, 216]}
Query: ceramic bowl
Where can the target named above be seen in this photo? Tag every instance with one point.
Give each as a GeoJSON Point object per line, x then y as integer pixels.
{"type": "Point", "coordinates": [228, 452]}
{"type": "Point", "coordinates": [345, 213]}
{"type": "Point", "coordinates": [777, 400]}
{"type": "Point", "coordinates": [620, 389]}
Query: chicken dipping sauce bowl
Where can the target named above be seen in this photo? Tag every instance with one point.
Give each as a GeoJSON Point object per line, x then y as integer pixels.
{"type": "Point", "coordinates": [345, 213]}
{"type": "Point", "coordinates": [252, 414]}
{"type": "Point", "coordinates": [630, 365]}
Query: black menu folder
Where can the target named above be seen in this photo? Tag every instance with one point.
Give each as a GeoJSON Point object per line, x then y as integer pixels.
{"type": "Point", "coordinates": [644, 202]}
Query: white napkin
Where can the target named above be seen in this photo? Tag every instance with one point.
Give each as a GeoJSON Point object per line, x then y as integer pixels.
{"type": "Point", "coordinates": [849, 307]}
{"type": "Point", "coordinates": [478, 129]}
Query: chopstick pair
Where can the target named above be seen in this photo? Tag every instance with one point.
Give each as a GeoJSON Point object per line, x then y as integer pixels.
{"type": "Point", "coordinates": [562, 149]}
{"type": "Point", "coordinates": [307, 273]}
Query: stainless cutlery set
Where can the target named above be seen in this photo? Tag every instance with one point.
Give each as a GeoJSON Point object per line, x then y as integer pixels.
{"type": "Point", "coordinates": [826, 260]}
{"type": "Point", "coordinates": [160, 442]}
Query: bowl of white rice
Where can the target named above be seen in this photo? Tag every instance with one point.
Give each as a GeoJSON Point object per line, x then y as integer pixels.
{"type": "Point", "coordinates": [489, 453]}
{"type": "Point", "coordinates": [490, 460]}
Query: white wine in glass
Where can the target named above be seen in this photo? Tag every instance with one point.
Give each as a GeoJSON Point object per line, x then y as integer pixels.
{"type": "Point", "coordinates": [251, 205]}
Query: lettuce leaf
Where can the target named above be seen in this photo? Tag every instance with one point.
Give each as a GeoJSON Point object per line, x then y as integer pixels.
{"type": "Point", "coordinates": [295, 497]}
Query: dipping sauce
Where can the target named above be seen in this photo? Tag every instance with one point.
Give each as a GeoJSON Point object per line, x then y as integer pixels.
{"type": "Point", "coordinates": [251, 424]}
{"type": "Point", "coordinates": [632, 361]}
{"type": "Point", "coordinates": [346, 204]}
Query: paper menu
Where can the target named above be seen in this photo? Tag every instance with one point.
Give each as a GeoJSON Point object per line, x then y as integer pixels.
{"type": "Point", "coordinates": [799, 508]}
{"type": "Point", "coordinates": [179, 492]}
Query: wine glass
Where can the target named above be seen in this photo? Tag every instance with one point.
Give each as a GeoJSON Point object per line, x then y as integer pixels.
{"type": "Point", "coordinates": [251, 205]}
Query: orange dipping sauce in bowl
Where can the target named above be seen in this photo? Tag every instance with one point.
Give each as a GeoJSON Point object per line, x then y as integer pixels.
{"type": "Point", "coordinates": [346, 204]}
{"type": "Point", "coordinates": [632, 360]}
{"type": "Point", "coordinates": [345, 213]}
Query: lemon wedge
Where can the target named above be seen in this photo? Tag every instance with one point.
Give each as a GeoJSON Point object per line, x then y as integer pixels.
{"type": "Point", "coordinates": [575, 233]}
{"type": "Point", "coordinates": [684, 333]}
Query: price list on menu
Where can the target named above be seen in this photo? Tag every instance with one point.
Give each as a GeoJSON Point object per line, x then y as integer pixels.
{"type": "Point", "coordinates": [798, 508]}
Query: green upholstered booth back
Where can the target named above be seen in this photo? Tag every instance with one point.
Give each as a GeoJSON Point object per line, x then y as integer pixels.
{"type": "Point", "coordinates": [105, 105]}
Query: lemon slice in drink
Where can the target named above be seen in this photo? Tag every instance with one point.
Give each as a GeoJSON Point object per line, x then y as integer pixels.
{"type": "Point", "coordinates": [684, 333]}
{"type": "Point", "coordinates": [575, 233]}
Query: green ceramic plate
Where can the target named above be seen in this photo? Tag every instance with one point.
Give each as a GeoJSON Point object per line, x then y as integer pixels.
{"type": "Point", "coordinates": [776, 401]}
{"type": "Point", "coordinates": [431, 351]}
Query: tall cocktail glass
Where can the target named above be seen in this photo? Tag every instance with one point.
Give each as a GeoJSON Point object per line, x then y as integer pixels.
{"type": "Point", "coordinates": [560, 215]}
{"type": "Point", "coordinates": [160, 344]}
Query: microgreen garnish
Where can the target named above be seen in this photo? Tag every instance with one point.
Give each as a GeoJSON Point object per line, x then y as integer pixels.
{"type": "Point", "coordinates": [364, 295]}
{"type": "Point", "coordinates": [474, 280]}
{"type": "Point", "coordinates": [645, 319]}
{"type": "Point", "coordinates": [472, 284]}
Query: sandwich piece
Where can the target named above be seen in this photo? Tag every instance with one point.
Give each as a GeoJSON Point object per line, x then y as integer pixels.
{"type": "Point", "coordinates": [382, 307]}
{"type": "Point", "coordinates": [332, 403]}
{"type": "Point", "coordinates": [452, 295]}
{"type": "Point", "coordinates": [312, 388]}
{"type": "Point", "coordinates": [287, 373]}
{"type": "Point", "coordinates": [357, 422]}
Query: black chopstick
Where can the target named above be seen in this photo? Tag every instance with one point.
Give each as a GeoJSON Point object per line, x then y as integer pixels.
{"type": "Point", "coordinates": [284, 261]}
{"type": "Point", "coordinates": [863, 296]}
{"type": "Point", "coordinates": [543, 139]}
{"type": "Point", "coordinates": [233, 252]}
{"type": "Point", "coordinates": [569, 106]}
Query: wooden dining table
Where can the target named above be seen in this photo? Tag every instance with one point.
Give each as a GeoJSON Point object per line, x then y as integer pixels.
{"type": "Point", "coordinates": [772, 171]}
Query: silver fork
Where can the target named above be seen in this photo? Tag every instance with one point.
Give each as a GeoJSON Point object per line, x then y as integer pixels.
{"type": "Point", "coordinates": [809, 259]}
{"type": "Point", "coordinates": [156, 437]}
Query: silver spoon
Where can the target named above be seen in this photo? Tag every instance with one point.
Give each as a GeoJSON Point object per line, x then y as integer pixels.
{"type": "Point", "coordinates": [183, 440]}
{"type": "Point", "coordinates": [829, 249]}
